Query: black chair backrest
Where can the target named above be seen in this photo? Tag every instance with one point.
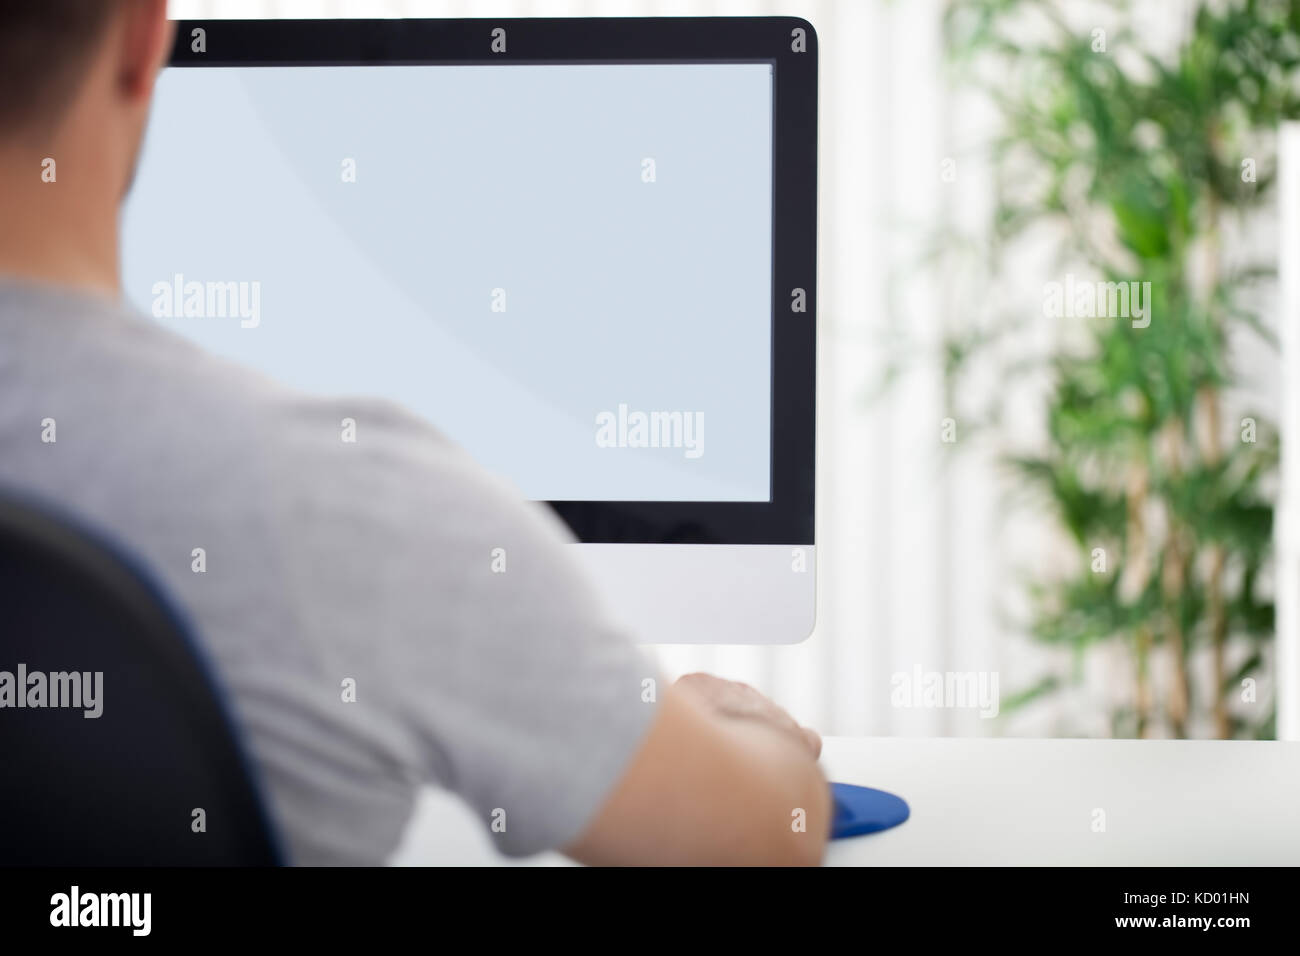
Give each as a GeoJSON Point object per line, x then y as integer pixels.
{"type": "Point", "coordinates": [159, 777]}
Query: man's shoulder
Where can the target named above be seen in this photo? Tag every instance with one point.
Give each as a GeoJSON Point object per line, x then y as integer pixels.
{"type": "Point", "coordinates": [157, 427]}
{"type": "Point", "coordinates": [125, 393]}
{"type": "Point", "coordinates": [118, 361]}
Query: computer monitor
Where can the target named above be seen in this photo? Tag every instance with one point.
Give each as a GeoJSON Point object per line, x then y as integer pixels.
{"type": "Point", "coordinates": [584, 249]}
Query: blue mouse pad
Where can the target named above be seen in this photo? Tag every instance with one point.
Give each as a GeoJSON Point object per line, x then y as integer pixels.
{"type": "Point", "coordinates": [860, 810]}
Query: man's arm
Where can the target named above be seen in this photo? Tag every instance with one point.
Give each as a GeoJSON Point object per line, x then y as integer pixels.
{"type": "Point", "coordinates": [714, 786]}
{"type": "Point", "coordinates": [522, 691]}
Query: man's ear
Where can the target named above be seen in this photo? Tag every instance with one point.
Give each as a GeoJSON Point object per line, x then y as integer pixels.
{"type": "Point", "coordinates": [145, 39]}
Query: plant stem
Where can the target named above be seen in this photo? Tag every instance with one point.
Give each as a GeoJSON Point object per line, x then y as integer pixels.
{"type": "Point", "coordinates": [1172, 584]}
{"type": "Point", "coordinates": [1214, 587]}
{"type": "Point", "coordinates": [1211, 455]}
{"type": "Point", "coordinates": [1136, 559]}
{"type": "Point", "coordinates": [1142, 653]}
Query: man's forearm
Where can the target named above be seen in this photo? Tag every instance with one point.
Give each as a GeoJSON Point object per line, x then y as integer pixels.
{"type": "Point", "coordinates": [713, 790]}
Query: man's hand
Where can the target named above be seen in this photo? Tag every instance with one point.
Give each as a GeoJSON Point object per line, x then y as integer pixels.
{"type": "Point", "coordinates": [724, 777]}
{"type": "Point", "coordinates": [730, 698]}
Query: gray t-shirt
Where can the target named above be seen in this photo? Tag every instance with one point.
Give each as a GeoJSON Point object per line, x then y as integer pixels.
{"type": "Point", "coordinates": [482, 662]}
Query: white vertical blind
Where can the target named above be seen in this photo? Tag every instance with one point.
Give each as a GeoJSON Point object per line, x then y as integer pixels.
{"type": "Point", "coordinates": [1288, 512]}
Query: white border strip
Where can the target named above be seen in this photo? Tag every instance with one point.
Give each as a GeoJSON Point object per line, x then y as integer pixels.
{"type": "Point", "coordinates": [1286, 538]}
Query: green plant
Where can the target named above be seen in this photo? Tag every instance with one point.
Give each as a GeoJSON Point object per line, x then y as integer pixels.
{"type": "Point", "coordinates": [1145, 160]}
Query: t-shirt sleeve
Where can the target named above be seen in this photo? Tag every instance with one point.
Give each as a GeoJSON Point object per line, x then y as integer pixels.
{"type": "Point", "coordinates": [520, 691]}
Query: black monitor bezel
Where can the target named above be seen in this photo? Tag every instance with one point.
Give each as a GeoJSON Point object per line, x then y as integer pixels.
{"type": "Point", "coordinates": [787, 518]}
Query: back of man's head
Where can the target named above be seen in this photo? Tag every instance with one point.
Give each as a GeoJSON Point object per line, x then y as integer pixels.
{"type": "Point", "coordinates": [76, 78]}
{"type": "Point", "coordinates": [46, 48]}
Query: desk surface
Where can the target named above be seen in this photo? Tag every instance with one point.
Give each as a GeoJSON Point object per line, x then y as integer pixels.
{"type": "Point", "coordinates": [1032, 802]}
{"type": "Point", "coordinates": [1021, 802]}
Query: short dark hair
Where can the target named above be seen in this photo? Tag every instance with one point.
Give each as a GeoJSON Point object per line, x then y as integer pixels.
{"type": "Point", "coordinates": [44, 52]}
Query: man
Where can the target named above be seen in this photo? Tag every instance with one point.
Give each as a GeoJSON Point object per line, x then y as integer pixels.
{"type": "Point", "coordinates": [329, 565]}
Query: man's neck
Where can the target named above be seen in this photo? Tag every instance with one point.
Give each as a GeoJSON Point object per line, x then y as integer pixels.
{"type": "Point", "coordinates": [58, 218]}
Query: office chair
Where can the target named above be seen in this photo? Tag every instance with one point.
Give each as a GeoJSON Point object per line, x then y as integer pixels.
{"type": "Point", "coordinates": [122, 788]}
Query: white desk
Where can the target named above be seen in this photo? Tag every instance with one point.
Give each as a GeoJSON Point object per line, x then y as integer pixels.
{"type": "Point", "coordinates": [1007, 801]}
